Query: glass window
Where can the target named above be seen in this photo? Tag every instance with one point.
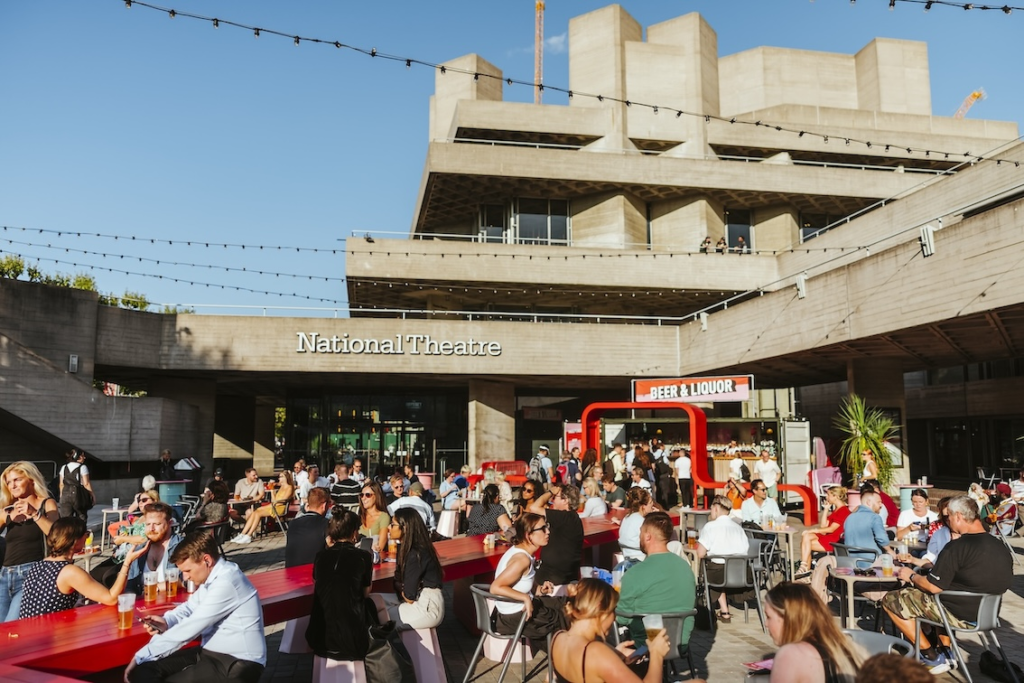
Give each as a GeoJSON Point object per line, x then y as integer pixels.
{"type": "Point", "coordinates": [542, 221]}
{"type": "Point", "coordinates": [493, 222]}
{"type": "Point", "coordinates": [737, 226]}
{"type": "Point", "coordinates": [810, 224]}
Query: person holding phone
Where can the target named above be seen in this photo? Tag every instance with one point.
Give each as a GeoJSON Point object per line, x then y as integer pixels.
{"type": "Point", "coordinates": [918, 518]}
{"type": "Point", "coordinates": [579, 653]}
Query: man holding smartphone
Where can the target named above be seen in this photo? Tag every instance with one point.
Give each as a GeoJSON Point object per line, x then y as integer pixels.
{"type": "Point", "coordinates": [225, 612]}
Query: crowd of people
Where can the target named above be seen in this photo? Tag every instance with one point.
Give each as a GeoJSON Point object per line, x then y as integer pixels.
{"type": "Point", "coordinates": [348, 522]}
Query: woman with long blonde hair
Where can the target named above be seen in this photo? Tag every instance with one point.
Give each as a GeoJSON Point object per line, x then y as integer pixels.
{"type": "Point", "coordinates": [282, 499]}
{"type": "Point", "coordinates": [812, 649]}
{"type": "Point", "coordinates": [28, 513]}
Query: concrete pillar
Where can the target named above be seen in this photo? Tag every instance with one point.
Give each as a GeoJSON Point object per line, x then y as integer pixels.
{"type": "Point", "coordinates": [684, 223]}
{"type": "Point", "coordinates": [775, 228]}
{"type": "Point", "coordinates": [263, 439]}
{"type": "Point", "coordinates": [492, 421]}
{"type": "Point", "coordinates": [234, 427]}
{"type": "Point", "coordinates": [892, 76]}
{"type": "Point", "coordinates": [615, 220]}
{"type": "Point", "coordinates": [449, 88]}
{"type": "Point", "coordinates": [879, 381]}
{"type": "Point", "coordinates": [201, 393]}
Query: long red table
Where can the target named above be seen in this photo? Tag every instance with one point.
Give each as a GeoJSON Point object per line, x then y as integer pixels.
{"type": "Point", "coordinates": [81, 642]}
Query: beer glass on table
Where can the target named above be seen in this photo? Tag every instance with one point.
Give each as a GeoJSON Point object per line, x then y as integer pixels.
{"type": "Point", "coordinates": [149, 586]}
{"type": "Point", "coordinates": [172, 582]}
{"type": "Point", "coordinates": [125, 610]}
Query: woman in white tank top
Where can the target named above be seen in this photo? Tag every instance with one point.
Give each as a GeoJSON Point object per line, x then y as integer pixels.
{"type": "Point", "coordinates": [514, 579]}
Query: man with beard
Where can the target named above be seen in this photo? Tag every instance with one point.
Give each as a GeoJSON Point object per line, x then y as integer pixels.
{"type": "Point", "coordinates": [162, 542]}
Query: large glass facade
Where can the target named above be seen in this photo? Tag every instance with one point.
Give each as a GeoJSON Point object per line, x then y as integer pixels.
{"type": "Point", "coordinates": [426, 429]}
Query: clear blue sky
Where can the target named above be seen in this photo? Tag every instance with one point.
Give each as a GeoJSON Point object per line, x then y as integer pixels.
{"type": "Point", "coordinates": [124, 121]}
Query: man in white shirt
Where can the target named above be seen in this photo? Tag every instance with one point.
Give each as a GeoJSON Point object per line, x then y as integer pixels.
{"type": "Point", "coordinates": [759, 508]}
{"type": "Point", "coordinates": [722, 535]}
{"type": "Point", "coordinates": [313, 480]}
{"type": "Point", "coordinates": [640, 479]}
{"type": "Point", "coordinates": [545, 462]}
{"type": "Point", "coordinates": [1017, 488]}
{"type": "Point", "coordinates": [357, 471]}
{"type": "Point", "coordinates": [684, 473]}
{"type": "Point", "coordinates": [767, 470]}
{"type": "Point", "coordinates": [299, 472]}
{"type": "Point", "coordinates": [225, 612]}
{"type": "Point", "coordinates": [415, 500]}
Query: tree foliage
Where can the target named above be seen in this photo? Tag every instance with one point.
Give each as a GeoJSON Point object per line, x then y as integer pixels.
{"type": "Point", "coordinates": [866, 429]}
{"type": "Point", "coordinates": [13, 267]}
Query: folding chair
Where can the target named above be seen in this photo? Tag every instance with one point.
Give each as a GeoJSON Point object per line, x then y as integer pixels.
{"type": "Point", "coordinates": [673, 623]}
{"type": "Point", "coordinates": [986, 623]}
{"type": "Point", "coordinates": [486, 623]}
{"type": "Point", "coordinates": [988, 481]}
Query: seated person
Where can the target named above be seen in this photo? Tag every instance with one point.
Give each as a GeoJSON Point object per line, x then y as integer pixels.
{"type": "Point", "coordinates": [594, 505]}
{"type": "Point", "coordinates": [830, 531]}
{"type": "Point", "coordinates": [918, 519]}
{"type": "Point", "coordinates": [250, 489]}
{"type": "Point", "coordinates": [137, 504]}
{"type": "Point", "coordinates": [489, 515]}
{"type": "Point", "coordinates": [214, 506]}
{"type": "Point", "coordinates": [560, 560]}
{"type": "Point", "coordinates": [282, 499]}
{"type": "Point", "coordinates": [415, 501]}
{"type": "Point", "coordinates": [722, 535]}
{"type": "Point", "coordinates": [863, 527]}
{"type": "Point", "coordinates": [759, 508]}
{"type": "Point", "coordinates": [344, 489]}
{"type": "Point", "coordinates": [449, 491]}
{"type": "Point", "coordinates": [614, 495]}
{"type": "Point", "coordinates": [1000, 515]}
{"type": "Point", "coordinates": [940, 537]}
{"type": "Point", "coordinates": [640, 503]}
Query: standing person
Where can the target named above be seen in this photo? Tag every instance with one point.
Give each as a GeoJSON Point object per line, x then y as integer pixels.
{"type": "Point", "coordinates": [56, 584]}
{"type": "Point", "coordinates": [737, 464]}
{"type": "Point", "coordinates": [28, 514]}
{"type": "Point", "coordinates": [870, 466]}
{"type": "Point", "coordinates": [306, 533]}
{"type": "Point", "coordinates": [283, 496]}
{"type": "Point", "coordinates": [373, 513]}
{"type": "Point", "coordinates": [560, 562]}
{"type": "Point", "coordinates": [830, 531]}
{"type": "Point", "coordinates": [581, 654]}
{"type": "Point", "coordinates": [342, 575]}
{"type": "Point", "coordinates": [975, 562]}
{"type": "Point", "coordinates": [589, 466]}
{"type": "Point", "coordinates": [684, 473]}
{"type": "Point", "coordinates": [767, 470]}
{"type": "Point", "coordinates": [615, 465]}
{"type": "Point", "coordinates": [759, 507]}
{"type": "Point", "coordinates": [812, 649]}
{"type": "Point", "coordinates": [224, 612]}
{"type": "Point", "coordinates": [417, 601]}
{"type": "Point", "coordinates": [165, 467]}
{"type": "Point", "coordinates": [515, 577]}
{"type": "Point", "coordinates": [722, 535]}
{"type": "Point", "coordinates": [74, 474]}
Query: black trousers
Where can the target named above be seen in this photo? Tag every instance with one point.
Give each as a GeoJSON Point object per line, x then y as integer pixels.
{"type": "Point", "coordinates": [195, 665]}
{"type": "Point", "coordinates": [548, 617]}
{"type": "Point", "coordinates": [686, 490]}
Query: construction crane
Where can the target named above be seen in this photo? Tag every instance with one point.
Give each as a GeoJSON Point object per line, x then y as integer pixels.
{"type": "Point", "coordinates": [538, 52]}
{"type": "Point", "coordinates": [969, 101]}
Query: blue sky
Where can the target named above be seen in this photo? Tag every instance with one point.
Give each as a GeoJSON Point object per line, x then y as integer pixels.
{"type": "Point", "coordinates": [126, 122]}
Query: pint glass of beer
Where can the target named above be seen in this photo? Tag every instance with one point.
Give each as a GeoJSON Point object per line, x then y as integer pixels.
{"type": "Point", "coordinates": [172, 582]}
{"type": "Point", "coordinates": [653, 625]}
{"type": "Point", "coordinates": [149, 586]}
{"type": "Point", "coordinates": [125, 610]}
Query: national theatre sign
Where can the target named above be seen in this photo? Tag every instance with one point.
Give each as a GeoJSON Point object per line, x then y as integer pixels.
{"type": "Point", "coordinates": [411, 344]}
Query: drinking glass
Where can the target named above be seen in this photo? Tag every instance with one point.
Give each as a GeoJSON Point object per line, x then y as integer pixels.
{"type": "Point", "coordinates": [653, 624]}
{"type": "Point", "coordinates": [149, 586]}
{"type": "Point", "coordinates": [125, 610]}
{"type": "Point", "coordinates": [172, 581]}
{"type": "Point", "coordinates": [691, 539]}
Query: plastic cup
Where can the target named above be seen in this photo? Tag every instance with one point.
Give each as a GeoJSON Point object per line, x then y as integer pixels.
{"type": "Point", "coordinates": [586, 572]}
{"type": "Point", "coordinates": [653, 624]}
{"type": "Point", "coordinates": [172, 581]}
{"type": "Point", "coordinates": [115, 503]}
{"type": "Point", "coordinates": [125, 610]}
{"type": "Point", "coordinates": [617, 579]}
{"type": "Point", "coordinates": [149, 586]}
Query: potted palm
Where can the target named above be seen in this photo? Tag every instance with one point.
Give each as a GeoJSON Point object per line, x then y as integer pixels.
{"type": "Point", "coordinates": [866, 429]}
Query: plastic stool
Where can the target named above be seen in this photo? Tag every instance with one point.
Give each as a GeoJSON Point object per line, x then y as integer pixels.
{"type": "Point", "coordinates": [293, 640]}
{"type": "Point", "coordinates": [425, 651]}
{"type": "Point", "coordinates": [448, 524]}
{"type": "Point", "coordinates": [337, 671]}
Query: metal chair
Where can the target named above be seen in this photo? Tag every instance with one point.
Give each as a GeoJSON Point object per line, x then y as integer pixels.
{"type": "Point", "coordinates": [880, 643]}
{"type": "Point", "coordinates": [986, 623]}
{"type": "Point", "coordinates": [1003, 529]}
{"type": "Point", "coordinates": [280, 519]}
{"type": "Point", "coordinates": [486, 623]}
{"type": "Point", "coordinates": [220, 531]}
{"type": "Point", "coordinates": [741, 573]}
{"type": "Point", "coordinates": [988, 481]}
{"type": "Point", "coordinates": [770, 554]}
{"type": "Point", "coordinates": [847, 557]}
{"type": "Point", "coordinates": [673, 623]}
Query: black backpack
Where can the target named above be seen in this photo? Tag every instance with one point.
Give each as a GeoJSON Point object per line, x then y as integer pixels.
{"type": "Point", "coordinates": [81, 496]}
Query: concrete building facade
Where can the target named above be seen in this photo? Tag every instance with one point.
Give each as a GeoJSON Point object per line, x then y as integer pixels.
{"type": "Point", "coordinates": [554, 256]}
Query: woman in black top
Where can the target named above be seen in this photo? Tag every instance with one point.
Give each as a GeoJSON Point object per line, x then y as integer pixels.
{"type": "Point", "coordinates": [418, 601]}
{"type": "Point", "coordinates": [28, 513]}
{"type": "Point", "coordinates": [342, 575]}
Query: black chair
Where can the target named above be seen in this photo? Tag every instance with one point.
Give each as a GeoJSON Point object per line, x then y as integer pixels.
{"type": "Point", "coordinates": [220, 532]}
{"type": "Point", "coordinates": [770, 555]}
{"type": "Point", "coordinates": [852, 557]}
{"type": "Point", "coordinates": [742, 573]}
{"type": "Point", "coordinates": [673, 623]}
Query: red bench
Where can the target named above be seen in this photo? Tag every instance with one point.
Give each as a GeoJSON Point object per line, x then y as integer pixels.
{"type": "Point", "coordinates": [514, 471]}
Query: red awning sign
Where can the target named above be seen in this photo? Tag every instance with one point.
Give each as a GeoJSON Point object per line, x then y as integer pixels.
{"type": "Point", "coordinates": [694, 389]}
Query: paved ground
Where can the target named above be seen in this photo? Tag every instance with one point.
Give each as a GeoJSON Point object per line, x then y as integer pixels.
{"type": "Point", "coordinates": [717, 656]}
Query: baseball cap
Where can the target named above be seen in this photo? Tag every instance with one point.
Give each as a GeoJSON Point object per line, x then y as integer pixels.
{"type": "Point", "coordinates": [416, 487]}
{"type": "Point", "coordinates": [542, 448]}
{"type": "Point", "coordinates": [1004, 489]}
{"type": "Point", "coordinates": [219, 472]}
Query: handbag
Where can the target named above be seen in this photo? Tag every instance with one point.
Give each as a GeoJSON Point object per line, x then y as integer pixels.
{"type": "Point", "coordinates": [387, 660]}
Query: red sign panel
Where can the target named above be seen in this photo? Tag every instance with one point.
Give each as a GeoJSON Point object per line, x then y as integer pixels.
{"type": "Point", "coordinates": [693, 389]}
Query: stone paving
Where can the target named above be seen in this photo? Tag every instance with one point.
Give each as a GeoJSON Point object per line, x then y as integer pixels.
{"type": "Point", "coordinates": [717, 657]}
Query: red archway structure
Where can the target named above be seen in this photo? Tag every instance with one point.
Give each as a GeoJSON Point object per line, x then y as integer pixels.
{"type": "Point", "coordinates": [698, 446]}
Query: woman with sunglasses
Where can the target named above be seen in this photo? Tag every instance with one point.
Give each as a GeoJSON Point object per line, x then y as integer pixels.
{"type": "Point", "coordinates": [489, 516]}
{"type": "Point", "coordinates": [418, 601]}
{"type": "Point", "coordinates": [283, 495]}
{"type": "Point", "coordinates": [529, 492]}
{"type": "Point", "coordinates": [514, 579]}
{"type": "Point", "coordinates": [373, 514]}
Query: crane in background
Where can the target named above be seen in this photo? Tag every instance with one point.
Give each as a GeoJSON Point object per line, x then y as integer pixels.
{"type": "Point", "coordinates": [968, 102]}
{"type": "Point", "coordinates": [538, 52]}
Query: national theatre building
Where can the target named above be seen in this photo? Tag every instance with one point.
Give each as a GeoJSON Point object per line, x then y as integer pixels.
{"type": "Point", "coordinates": [556, 254]}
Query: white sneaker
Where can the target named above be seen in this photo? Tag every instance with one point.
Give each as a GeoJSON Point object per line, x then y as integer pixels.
{"type": "Point", "coordinates": [241, 538]}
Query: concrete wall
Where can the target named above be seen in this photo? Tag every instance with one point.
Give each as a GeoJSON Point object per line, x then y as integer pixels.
{"type": "Point", "coordinates": [492, 421]}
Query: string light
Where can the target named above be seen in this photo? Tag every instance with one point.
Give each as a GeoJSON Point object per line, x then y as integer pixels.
{"type": "Point", "coordinates": [444, 69]}
{"type": "Point", "coordinates": [156, 240]}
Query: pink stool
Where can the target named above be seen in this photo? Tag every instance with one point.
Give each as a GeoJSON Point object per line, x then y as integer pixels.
{"type": "Point", "coordinates": [337, 671]}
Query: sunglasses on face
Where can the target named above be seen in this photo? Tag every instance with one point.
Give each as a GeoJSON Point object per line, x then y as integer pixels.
{"type": "Point", "coordinates": [368, 494]}
{"type": "Point", "coordinates": [546, 528]}
{"type": "Point", "coordinates": [761, 490]}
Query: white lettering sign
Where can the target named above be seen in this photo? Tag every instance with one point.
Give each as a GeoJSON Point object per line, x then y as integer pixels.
{"type": "Point", "coordinates": [411, 344]}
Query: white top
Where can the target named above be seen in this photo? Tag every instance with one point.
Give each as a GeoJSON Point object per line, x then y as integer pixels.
{"type": "Point", "coordinates": [908, 517]}
{"type": "Point", "coordinates": [629, 536]}
{"type": "Point", "coordinates": [643, 483]}
{"type": "Point", "coordinates": [735, 466]}
{"type": "Point", "coordinates": [1017, 489]}
{"type": "Point", "coordinates": [523, 585]}
{"type": "Point", "coordinates": [752, 513]}
{"type": "Point", "coordinates": [724, 536]}
{"type": "Point", "coordinates": [684, 467]}
{"type": "Point", "coordinates": [594, 507]}
{"type": "Point", "coordinates": [768, 472]}
{"type": "Point", "coordinates": [308, 486]}
{"type": "Point", "coordinates": [71, 467]}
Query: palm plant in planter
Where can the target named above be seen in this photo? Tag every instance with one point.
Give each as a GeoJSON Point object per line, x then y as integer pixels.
{"type": "Point", "coordinates": [865, 429]}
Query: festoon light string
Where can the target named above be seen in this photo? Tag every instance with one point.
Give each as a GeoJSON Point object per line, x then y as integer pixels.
{"type": "Point", "coordinates": [825, 137]}
{"type": "Point", "coordinates": [928, 4]}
